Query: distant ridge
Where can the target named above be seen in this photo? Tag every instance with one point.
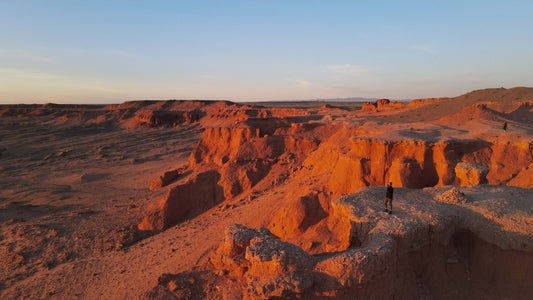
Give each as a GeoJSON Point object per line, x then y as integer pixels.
{"type": "Point", "coordinates": [496, 99]}
{"type": "Point", "coordinates": [349, 99]}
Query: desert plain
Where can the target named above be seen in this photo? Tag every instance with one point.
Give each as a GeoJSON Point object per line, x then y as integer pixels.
{"type": "Point", "coordinates": [189, 199]}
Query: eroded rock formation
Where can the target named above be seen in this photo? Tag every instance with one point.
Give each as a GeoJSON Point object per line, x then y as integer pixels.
{"type": "Point", "coordinates": [270, 267]}
{"type": "Point", "coordinates": [381, 104]}
{"type": "Point", "coordinates": [167, 178]}
{"type": "Point", "coordinates": [426, 247]}
{"type": "Point", "coordinates": [325, 241]}
{"type": "Point", "coordinates": [471, 173]}
{"type": "Point", "coordinates": [341, 162]}
{"type": "Point", "coordinates": [198, 194]}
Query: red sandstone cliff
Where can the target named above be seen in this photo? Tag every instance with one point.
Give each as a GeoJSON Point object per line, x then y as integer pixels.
{"type": "Point", "coordinates": [335, 162]}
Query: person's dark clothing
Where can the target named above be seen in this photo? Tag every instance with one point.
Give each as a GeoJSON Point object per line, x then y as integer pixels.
{"type": "Point", "coordinates": [505, 126]}
{"type": "Point", "coordinates": [389, 191]}
{"type": "Point", "coordinates": [388, 198]}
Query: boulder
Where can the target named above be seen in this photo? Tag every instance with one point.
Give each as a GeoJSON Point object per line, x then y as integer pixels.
{"type": "Point", "coordinates": [269, 267]}
{"type": "Point", "coordinates": [229, 255]}
{"type": "Point", "coordinates": [453, 196]}
{"type": "Point", "coordinates": [268, 255]}
{"type": "Point", "coordinates": [63, 153]}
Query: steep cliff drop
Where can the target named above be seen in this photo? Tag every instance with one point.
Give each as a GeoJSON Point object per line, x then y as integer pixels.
{"type": "Point", "coordinates": [323, 240]}
{"type": "Point", "coordinates": [432, 245]}
{"type": "Point", "coordinates": [251, 158]}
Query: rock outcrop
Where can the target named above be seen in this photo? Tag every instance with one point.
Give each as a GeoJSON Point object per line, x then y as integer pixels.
{"type": "Point", "coordinates": [326, 158]}
{"type": "Point", "coordinates": [381, 104]}
{"type": "Point", "coordinates": [340, 163]}
{"type": "Point", "coordinates": [241, 158]}
{"type": "Point", "coordinates": [524, 178]}
{"type": "Point", "coordinates": [427, 247]}
{"type": "Point", "coordinates": [417, 163]}
{"type": "Point", "coordinates": [167, 178]}
{"type": "Point", "coordinates": [452, 196]}
{"type": "Point", "coordinates": [298, 213]}
{"type": "Point", "coordinates": [130, 114]}
{"type": "Point", "coordinates": [230, 255]}
{"type": "Point", "coordinates": [198, 194]}
{"type": "Point", "coordinates": [156, 118]}
{"type": "Point", "coordinates": [471, 173]}
{"type": "Point", "coordinates": [271, 268]}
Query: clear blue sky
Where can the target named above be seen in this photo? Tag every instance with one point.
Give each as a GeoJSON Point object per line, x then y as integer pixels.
{"type": "Point", "coordinates": [112, 51]}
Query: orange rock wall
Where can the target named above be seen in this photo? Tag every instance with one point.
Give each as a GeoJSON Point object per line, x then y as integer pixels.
{"type": "Point", "coordinates": [197, 195]}
{"type": "Point", "coordinates": [414, 163]}
{"type": "Point", "coordinates": [346, 163]}
{"type": "Point", "coordinates": [331, 160]}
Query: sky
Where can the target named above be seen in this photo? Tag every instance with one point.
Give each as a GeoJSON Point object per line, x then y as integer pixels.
{"type": "Point", "coordinates": [93, 52]}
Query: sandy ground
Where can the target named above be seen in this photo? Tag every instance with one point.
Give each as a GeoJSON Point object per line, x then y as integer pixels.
{"type": "Point", "coordinates": [72, 192]}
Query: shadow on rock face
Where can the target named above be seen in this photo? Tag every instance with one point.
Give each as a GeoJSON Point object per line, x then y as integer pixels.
{"type": "Point", "coordinates": [197, 195]}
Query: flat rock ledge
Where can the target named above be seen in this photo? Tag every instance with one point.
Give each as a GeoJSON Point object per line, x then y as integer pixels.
{"type": "Point", "coordinates": [477, 244]}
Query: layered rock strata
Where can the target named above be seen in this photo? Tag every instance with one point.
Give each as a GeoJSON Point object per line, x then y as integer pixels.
{"type": "Point", "coordinates": [340, 162]}
{"type": "Point", "coordinates": [477, 248]}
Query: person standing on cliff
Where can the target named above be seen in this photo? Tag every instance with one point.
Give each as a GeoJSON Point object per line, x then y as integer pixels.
{"type": "Point", "coordinates": [505, 126]}
{"type": "Point", "coordinates": [388, 199]}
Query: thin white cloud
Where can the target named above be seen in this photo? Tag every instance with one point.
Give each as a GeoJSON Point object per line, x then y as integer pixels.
{"type": "Point", "coordinates": [300, 83]}
{"type": "Point", "coordinates": [15, 78]}
{"type": "Point", "coordinates": [349, 70]}
{"type": "Point", "coordinates": [25, 74]}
